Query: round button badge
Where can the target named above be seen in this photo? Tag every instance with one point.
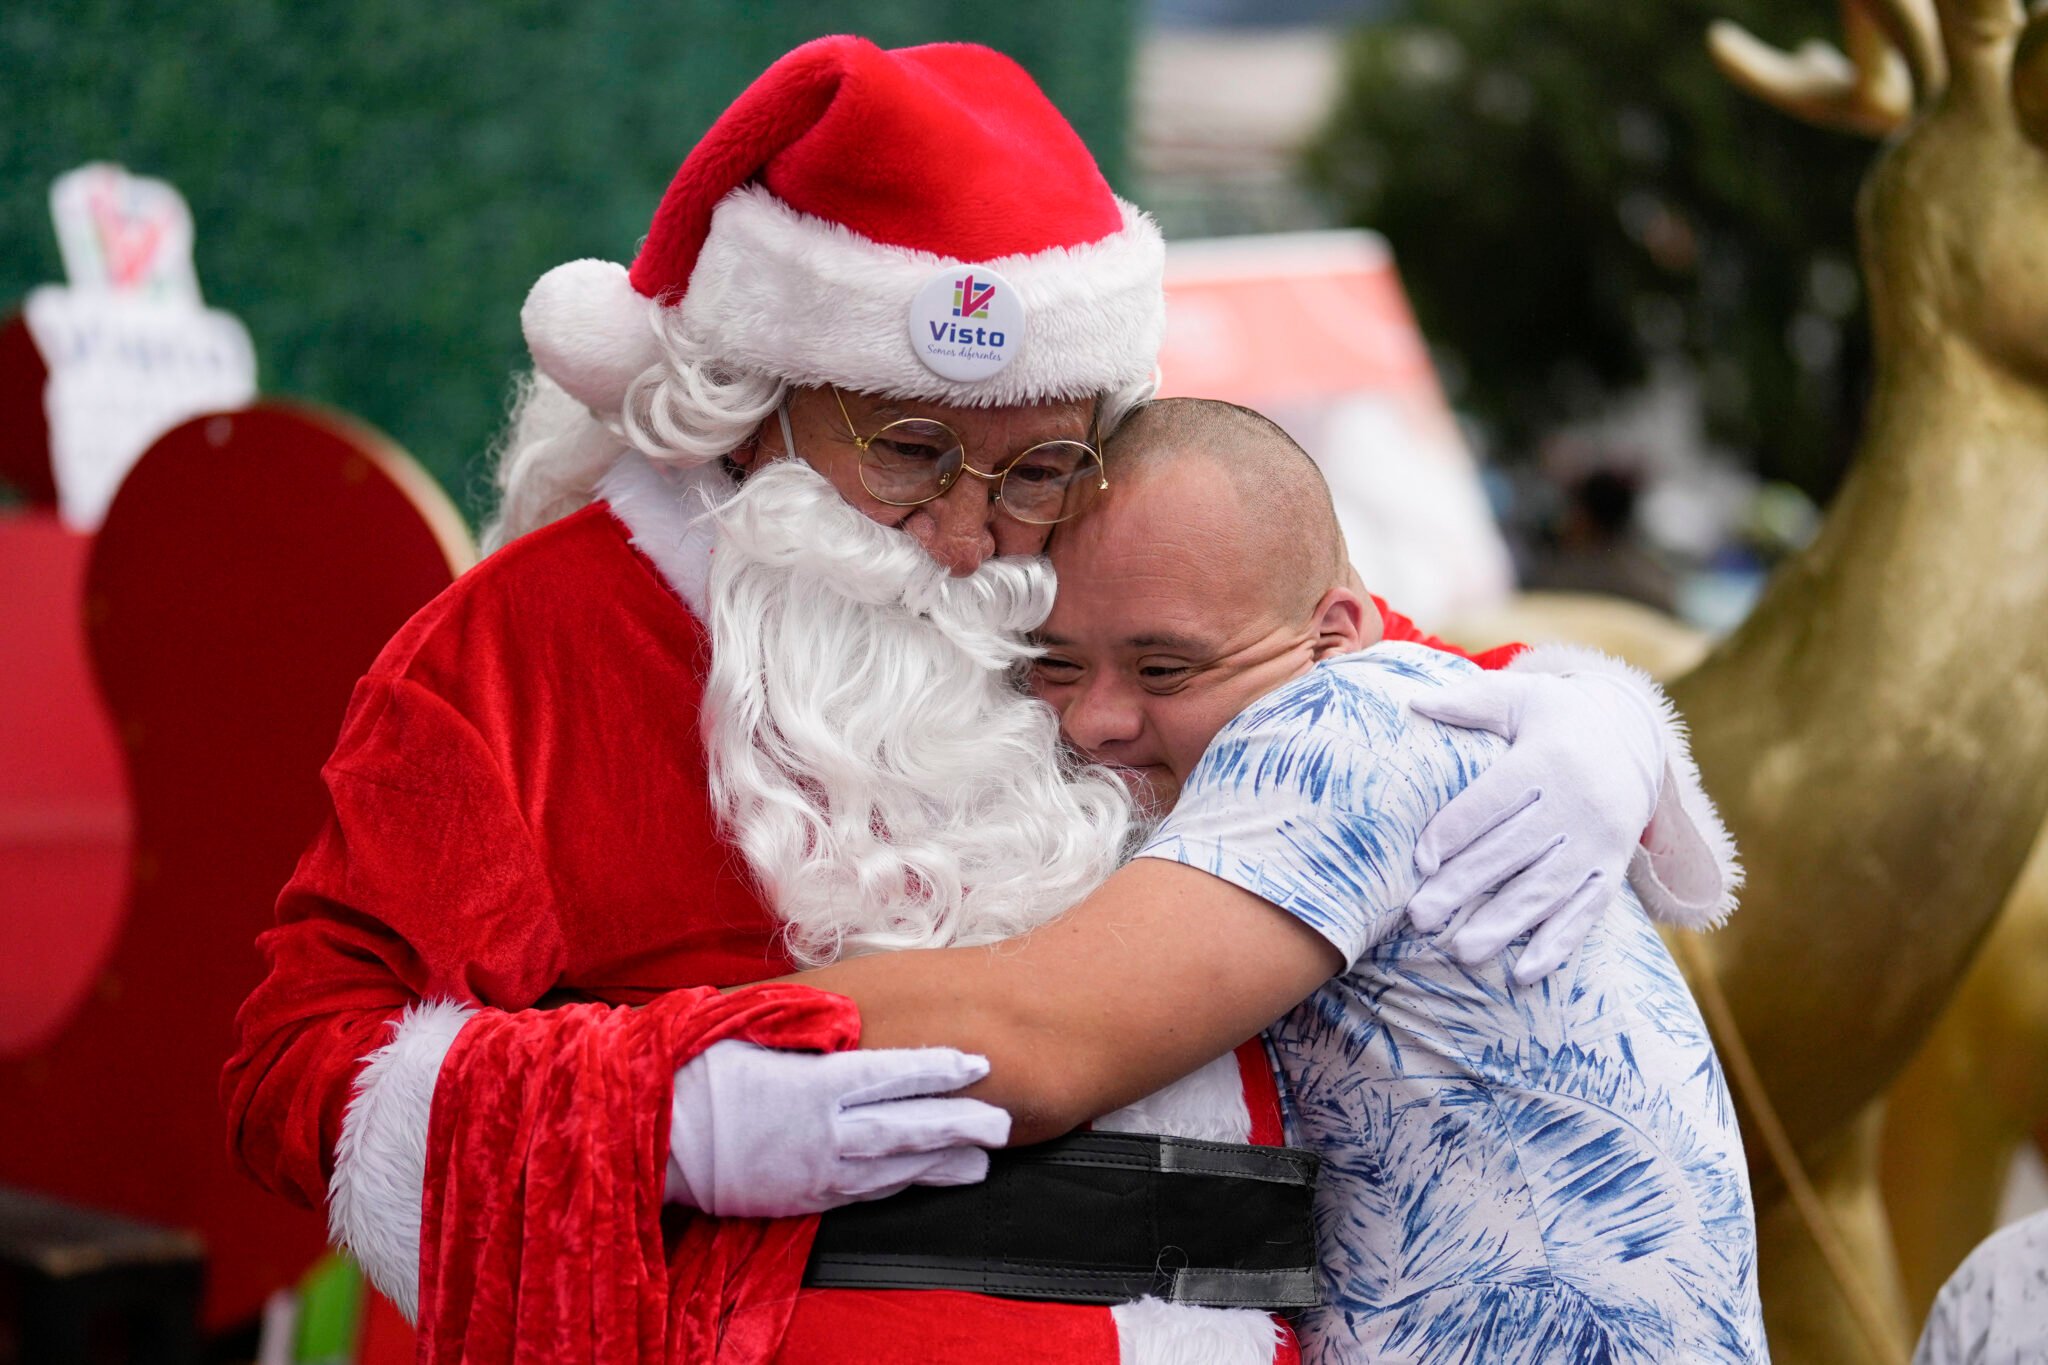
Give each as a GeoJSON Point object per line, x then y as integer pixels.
{"type": "Point", "coordinates": [966, 323]}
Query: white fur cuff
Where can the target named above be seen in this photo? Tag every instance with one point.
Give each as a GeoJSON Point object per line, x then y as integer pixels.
{"type": "Point", "coordinates": [1686, 870]}
{"type": "Point", "coordinates": [380, 1163]}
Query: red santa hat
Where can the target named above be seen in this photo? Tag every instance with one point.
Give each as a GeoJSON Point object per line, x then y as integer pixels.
{"type": "Point", "coordinates": [919, 222]}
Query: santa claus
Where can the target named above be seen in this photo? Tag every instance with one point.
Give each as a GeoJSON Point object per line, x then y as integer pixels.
{"type": "Point", "coordinates": [707, 712]}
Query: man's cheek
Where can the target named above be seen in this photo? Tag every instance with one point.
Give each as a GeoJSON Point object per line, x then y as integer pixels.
{"type": "Point", "coordinates": [1183, 728]}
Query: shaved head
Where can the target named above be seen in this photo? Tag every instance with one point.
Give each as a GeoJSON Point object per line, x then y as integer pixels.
{"type": "Point", "coordinates": [1281, 530]}
{"type": "Point", "coordinates": [1210, 572]}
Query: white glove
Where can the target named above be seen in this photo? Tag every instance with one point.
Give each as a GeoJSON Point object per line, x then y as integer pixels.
{"type": "Point", "coordinates": [760, 1133]}
{"type": "Point", "coordinates": [1544, 836]}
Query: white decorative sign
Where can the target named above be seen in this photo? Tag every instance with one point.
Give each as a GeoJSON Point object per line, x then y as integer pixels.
{"type": "Point", "coordinates": [123, 371]}
{"type": "Point", "coordinates": [966, 323]}
{"type": "Point", "coordinates": [131, 350]}
{"type": "Point", "coordinates": [125, 234]}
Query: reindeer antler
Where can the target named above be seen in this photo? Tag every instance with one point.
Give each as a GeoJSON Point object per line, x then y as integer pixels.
{"type": "Point", "coordinates": [1894, 63]}
{"type": "Point", "coordinates": [1915, 34]}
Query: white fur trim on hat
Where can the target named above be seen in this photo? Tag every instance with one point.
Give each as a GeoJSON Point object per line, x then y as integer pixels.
{"type": "Point", "coordinates": [1686, 870]}
{"type": "Point", "coordinates": [380, 1163]}
{"type": "Point", "coordinates": [811, 302]}
{"type": "Point", "coordinates": [590, 331]}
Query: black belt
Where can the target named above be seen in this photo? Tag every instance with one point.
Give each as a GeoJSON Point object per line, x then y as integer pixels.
{"type": "Point", "coordinates": [1094, 1218]}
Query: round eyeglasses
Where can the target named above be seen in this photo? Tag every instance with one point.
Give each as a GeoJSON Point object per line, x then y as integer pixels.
{"type": "Point", "coordinates": [914, 460]}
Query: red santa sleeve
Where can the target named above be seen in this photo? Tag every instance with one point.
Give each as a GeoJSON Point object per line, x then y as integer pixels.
{"type": "Point", "coordinates": [1685, 868]}
{"type": "Point", "coordinates": [423, 885]}
{"type": "Point", "coordinates": [545, 1163]}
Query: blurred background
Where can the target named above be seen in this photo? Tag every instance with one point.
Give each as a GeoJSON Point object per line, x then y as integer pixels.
{"type": "Point", "coordinates": [1639, 292]}
{"type": "Point", "coordinates": [1556, 308]}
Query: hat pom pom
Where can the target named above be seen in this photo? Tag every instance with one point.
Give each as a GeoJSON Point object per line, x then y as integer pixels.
{"type": "Point", "coordinates": [590, 331]}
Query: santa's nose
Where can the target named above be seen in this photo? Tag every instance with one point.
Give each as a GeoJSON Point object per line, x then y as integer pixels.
{"type": "Point", "coordinates": [958, 528]}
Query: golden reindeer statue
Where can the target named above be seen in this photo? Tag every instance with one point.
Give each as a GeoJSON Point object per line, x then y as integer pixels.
{"type": "Point", "coordinates": [1877, 731]}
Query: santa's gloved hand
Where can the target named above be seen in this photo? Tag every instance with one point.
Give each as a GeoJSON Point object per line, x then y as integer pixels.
{"type": "Point", "coordinates": [1545, 835]}
{"type": "Point", "coordinates": [760, 1133]}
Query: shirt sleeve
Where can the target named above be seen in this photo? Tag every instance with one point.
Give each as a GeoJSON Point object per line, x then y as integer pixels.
{"type": "Point", "coordinates": [1313, 799]}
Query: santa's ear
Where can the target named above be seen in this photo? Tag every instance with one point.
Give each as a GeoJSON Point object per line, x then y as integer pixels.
{"type": "Point", "coordinates": [763, 446]}
{"type": "Point", "coordinates": [771, 440]}
{"type": "Point", "coordinates": [1342, 620]}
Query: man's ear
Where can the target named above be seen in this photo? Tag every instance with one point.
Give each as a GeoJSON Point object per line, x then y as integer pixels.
{"type": "Point", "coordinates": [1345, 622]}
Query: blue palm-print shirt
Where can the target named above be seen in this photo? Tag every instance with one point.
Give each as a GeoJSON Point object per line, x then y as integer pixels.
{"type": "Point", "coordinates": [1543, 1173]}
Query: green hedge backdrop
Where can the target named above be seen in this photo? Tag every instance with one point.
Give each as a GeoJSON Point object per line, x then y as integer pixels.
{"type": "Point", "coordinates": [376, 184]}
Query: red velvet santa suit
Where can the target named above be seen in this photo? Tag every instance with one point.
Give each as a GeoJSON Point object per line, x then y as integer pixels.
{"type": "Point", "coordinates": [521, 823]}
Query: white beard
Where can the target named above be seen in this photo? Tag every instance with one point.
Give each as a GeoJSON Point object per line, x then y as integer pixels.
{"type": "Point", "coordinates": [870, 751]}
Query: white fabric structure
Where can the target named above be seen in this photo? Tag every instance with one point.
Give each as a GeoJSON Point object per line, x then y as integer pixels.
{"type": "Point", "coordinates": [1313, 330]}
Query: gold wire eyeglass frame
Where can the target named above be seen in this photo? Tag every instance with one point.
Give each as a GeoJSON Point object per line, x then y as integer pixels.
{"type": "Point", "coordinates": [1070, 506]}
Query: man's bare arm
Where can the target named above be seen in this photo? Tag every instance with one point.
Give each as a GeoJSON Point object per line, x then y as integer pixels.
{"type": "Point", "coordinates": [1161, 970]}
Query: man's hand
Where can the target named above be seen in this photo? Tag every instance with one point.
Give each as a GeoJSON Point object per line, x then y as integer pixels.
{"type": "Point", "coordinates": [1544, 836]}
{"type": "Point", "coordinates": [757, 1133]}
